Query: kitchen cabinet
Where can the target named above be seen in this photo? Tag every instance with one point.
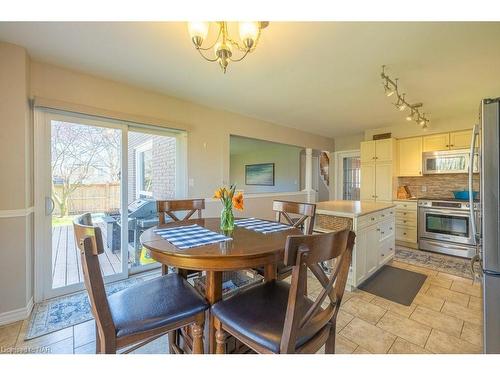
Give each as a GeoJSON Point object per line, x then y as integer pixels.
{"type": "Point", "coordinates": [436, 142]}
{"type": "Point", "coordinates": [377, 170]}
{"type": "Point", "coordinates": [410, 156]}
{"type": "Point", "coordinates": [447, 141]}
{"type": "Point", "coordinates": [460, 140]}
{"type": "Point", "coordinates": [406, 223]}
{"type": "Point", "coordinates": [374, 226]}
{"type": "Point", "coordinates": [383, 182]}
{"type": "Point", "coordinates": [367, 185]}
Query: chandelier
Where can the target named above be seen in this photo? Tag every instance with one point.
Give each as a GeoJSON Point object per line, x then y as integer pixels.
{"type": "Point", "coordinates": [391, 88]}
{"type": "Point", "coordinates": [225, 44]}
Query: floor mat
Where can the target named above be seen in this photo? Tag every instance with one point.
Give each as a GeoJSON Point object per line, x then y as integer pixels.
{"type": "Point", "coordinates": [439, 262]}
{"type": "Point", "coordinates": [395, 284]}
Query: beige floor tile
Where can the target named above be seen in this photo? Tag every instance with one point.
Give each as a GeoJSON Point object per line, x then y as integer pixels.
{"type": "Point", "coordinates": [343, 318]}
{"type": "Point", "coordinates": [476, 303]}
{"type": "Point", "coordinates": [88, 348]}
{"type": "Point", "coordinates": [449, 276]}
{"type": "Point", "coordinates": [9, 333]}
{"type": "Point", "coordinates": [393, 306]}
{"type": "Point", "coordinates": [467, 288]}
{"type": "Point", "coordinates": [448, 295]}
{"type": "Point", "coordinates": [84, 333]}
{"type": "Point", "coordinates": [463, 313]}
{"type": "Point", "coordinates": [405, 328]}
{"type": "Point", "coordinates": [423, 270]}
{"type": "Point", "coordinates": [364, 310]}
{"type": "Point", "coordinates": [437, 320]}
{"type": "Point", "coordinates": [432, 303]}
{"type": "Point", "coordinates": [360, 350]}
{"type": "Point", "coordinates": [46, 340]}
{"type": "Point", "coordinates": [472, 333]}
{"type": "Point", "coordinates": [357, 293]}
{"type": "Point", "coordinates": [440, 342]}
{"type": "Point", "coordinates": [368, 336]}
{"type": "Point", "coordinates": [344, 346]}
{"type": "Point", "coordinates": [402, 346]}
{"type": "Point", "coordinates": [440, 281]}
{"type": "Point", "coordinates": [61, 347]}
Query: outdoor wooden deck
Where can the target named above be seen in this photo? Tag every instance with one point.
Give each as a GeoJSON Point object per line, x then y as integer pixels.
{"type": "Point", "coordinates": [66, 263]}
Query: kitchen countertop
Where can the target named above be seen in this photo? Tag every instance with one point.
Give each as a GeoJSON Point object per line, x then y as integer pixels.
{"type": "Point", "coordinates": [350, 209]}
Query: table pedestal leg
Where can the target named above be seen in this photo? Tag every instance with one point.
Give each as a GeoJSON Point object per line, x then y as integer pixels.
{"type": "Point", "coordinates": [270, 272]}
{"type": "Point", "coordinates": [213, 293]}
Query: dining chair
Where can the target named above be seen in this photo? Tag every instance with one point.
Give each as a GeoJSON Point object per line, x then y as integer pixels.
{"type": "Point", "coordinates": [277, 317]}
{"type": "Point", "coordinates": [142, 312]}
{"type": "Point", "coordinates": [298, 215]}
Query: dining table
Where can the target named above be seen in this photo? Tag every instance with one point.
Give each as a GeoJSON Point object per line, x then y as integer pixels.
{"type": "Point", "coordinates": [245, 249]}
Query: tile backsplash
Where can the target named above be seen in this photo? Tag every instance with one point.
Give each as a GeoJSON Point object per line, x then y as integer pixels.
{"type": "Point", "coordinates": [438, 186]}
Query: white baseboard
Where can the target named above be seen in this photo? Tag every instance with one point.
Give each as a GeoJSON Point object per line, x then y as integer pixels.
{"type": "Point", "coordinates": [16, 315]}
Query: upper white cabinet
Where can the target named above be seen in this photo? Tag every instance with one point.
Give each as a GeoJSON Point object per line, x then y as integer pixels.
{"type": "Point", "coordinates": [436, 142]}
{"type": "Point", "coordinates": [377, 169]}
{"type": "Point", "coordinates": [410, 156]}
{"type": "Point", "coordinates": [447, 141]}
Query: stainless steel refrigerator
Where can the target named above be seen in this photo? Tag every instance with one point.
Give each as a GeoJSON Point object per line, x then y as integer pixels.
{"type": "Point", "coordinates": [486, 229]}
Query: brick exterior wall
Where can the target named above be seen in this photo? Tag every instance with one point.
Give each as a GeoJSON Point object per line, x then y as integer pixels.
{"type": "Point", "coordinates": [438, 186]}
{"type": "Point", "coordinates": [164, 153]}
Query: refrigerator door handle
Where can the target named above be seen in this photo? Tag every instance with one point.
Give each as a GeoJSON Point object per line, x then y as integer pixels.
{"type": "Point", "coordinates": [471, 193]}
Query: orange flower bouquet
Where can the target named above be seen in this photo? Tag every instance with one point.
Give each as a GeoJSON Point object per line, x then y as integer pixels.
{"type": "Point", "coordinates": [229, 199]}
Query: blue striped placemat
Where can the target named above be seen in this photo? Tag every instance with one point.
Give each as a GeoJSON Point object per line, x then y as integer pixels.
{"type": "Point", "coordinates": [262, 226]}
{"type": "Point", "coordinates": [189, 236]}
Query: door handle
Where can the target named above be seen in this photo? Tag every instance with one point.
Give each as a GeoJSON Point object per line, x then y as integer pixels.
{"type": "Point", "coordinates": [49, 206]}
{"type": "Point", "coordinates": [476, 259]}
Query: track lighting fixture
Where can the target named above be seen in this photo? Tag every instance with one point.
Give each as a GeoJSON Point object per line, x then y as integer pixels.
{"type": "Point", "coordinates": [391, 88]}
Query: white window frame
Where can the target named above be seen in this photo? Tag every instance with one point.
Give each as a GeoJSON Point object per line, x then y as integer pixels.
{"type": "Point", "coordinates": [148, 145]}
{"type": "Point", "coordinates": [339, 173]}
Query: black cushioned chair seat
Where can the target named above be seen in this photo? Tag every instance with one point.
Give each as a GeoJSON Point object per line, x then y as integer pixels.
{"type": "Point", "coordinates": [153, 304]}
{"type": "Point", "coordinates": [259, 314]}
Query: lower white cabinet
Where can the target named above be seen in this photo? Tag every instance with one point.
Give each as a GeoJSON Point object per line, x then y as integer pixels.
{"type": "Point", "coordinates": [375, 245]}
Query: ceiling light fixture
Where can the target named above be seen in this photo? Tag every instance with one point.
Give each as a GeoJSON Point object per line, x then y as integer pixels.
{"type": "Point", "coordinates": [224, 44]}
{"type": "Point", "coordinates": [391, 88]}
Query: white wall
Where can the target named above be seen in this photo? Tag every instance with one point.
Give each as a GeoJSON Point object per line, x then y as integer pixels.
{"type": "Point", "coordinates": [16, 198]}
{"type": "Point", "coordinates": [286, 167]}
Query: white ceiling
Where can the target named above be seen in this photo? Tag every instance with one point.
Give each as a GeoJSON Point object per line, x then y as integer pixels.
{"type": "Point", "coordinates": [322, 77]}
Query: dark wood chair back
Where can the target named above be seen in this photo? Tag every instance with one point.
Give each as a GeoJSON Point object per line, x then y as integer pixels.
{"type": "Point", "coordinates": [169, 208]}
{"type": "Point", "coordinates": [308, 251]}
{"type": "Point", "coordinates": [305, 212]}
{"type": "Point", "coordinates": [89, 241]}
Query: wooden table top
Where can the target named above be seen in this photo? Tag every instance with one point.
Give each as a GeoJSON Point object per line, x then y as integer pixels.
{"type": "Point", "coordinates": [248, 248]}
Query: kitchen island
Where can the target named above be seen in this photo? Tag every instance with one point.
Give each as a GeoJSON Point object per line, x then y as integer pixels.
{"type": "Point", "coordinates": [374, 225]}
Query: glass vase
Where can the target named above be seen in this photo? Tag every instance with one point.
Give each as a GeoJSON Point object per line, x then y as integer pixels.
{"type": "Point", "coordinates": [227, 219]}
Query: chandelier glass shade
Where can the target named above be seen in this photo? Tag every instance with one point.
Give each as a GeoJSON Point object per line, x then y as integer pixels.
{"type": "Point", "coordinates": [225, 45]}
{"type": "Point", "coordinates": [391, 88]}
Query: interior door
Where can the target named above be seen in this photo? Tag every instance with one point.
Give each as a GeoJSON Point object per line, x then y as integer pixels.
{"type": "Point", "coordinates": [80, 169]}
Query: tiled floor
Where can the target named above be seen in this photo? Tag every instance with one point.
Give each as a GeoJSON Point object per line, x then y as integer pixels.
{"type": "Point", "coordinates": [445, 317]}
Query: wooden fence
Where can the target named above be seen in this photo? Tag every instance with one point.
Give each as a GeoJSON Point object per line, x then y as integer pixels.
{"type": "Point", "coordinates": [92, 198]}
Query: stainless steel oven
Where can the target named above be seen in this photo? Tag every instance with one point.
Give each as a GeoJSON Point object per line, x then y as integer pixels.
{"type": "Point", "coordinates": [445, 226]}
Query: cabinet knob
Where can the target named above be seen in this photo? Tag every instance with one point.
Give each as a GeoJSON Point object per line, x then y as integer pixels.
{"type": "Point", "coordinates": [372, 218]}
{"type": "Point", "coordinates": [419, 172]}
{"type": "Point", "coordinates": [383, 215]}
{"type": "Point", "coordinates": [404, 221]}
{"type": "Point", "coordinates": [378, 229]}
{"type": "Point", "coordinates": [390, 228]}
{"type": "Point", "coordinates": [382, 232]}
{"type": "Point", "coordinates": [451, 145]}
{"type": "Point", "coordinates": [404, 213]}
{"type": "Point", "coordinates": [404, 233]}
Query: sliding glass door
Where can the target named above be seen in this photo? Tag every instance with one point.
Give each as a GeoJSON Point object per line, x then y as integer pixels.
{"type": "Point", "coordinates": [114, 170]}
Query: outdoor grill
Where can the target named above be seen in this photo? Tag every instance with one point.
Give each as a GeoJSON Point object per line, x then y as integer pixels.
{"type": "Point", "coordinates": [141, 216]}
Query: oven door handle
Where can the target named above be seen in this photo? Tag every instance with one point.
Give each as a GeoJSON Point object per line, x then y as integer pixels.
{"type": "Point", "coordinates": [459, 213]}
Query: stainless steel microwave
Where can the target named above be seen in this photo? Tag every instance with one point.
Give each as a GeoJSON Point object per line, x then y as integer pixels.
{"type": "Point", "coordinates": [453, 161]}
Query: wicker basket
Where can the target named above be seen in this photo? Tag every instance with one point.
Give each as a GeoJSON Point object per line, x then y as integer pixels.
{"type": "Point", "coordinates": [333, 223]}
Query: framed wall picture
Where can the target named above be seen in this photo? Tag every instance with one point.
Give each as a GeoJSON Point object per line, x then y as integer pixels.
{"type": "Point", "coordinates": [259, 174]}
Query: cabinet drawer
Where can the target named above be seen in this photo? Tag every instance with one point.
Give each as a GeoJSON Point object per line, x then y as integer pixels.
{"type": "Point", "coordinates": [406, 222]}
{"type": "Point", "coordinates": [386, 250]}
{"type": "Point", "coordinates": [406, 234]}
{"type": "Point", "coordinates": [406, 215]}
{"type": "Point", "coordinates": [406, 205]}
